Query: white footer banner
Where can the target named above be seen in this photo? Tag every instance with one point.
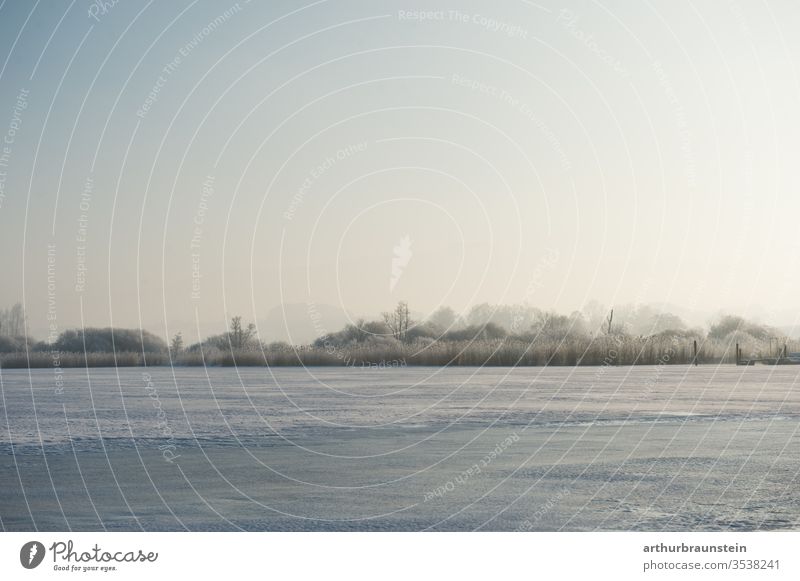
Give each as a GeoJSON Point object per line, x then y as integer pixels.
{"type": "Point", "coordinates": [373, 556]}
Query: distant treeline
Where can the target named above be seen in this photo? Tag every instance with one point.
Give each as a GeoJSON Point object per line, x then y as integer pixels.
{"type": "Point", "coordinates": [498, 336]}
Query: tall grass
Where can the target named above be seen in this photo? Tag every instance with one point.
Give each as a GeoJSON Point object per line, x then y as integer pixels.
{"type": "Point", "coordinates": [582, 350]}
{"type": "Point", "coordinates": [40, 359]}
{"type": "Point", "coordinates": [498, 352]}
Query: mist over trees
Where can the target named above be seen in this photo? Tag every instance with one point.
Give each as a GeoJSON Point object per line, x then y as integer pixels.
{"type": "Point", "coordinates": [13, 330]}
{"type": "Point", "coordinates": [11, 344]}
{"type": "Point", "coordinates": [444, 318]}
{"type": "Point", "coordinates": [108, 340]}
{"type": "Point", "coordinates": [12, 321]}
{"type": "Point", "coordinates": [524, 324]}
{"type": "Point", "coordinates": [485, 334]}
{"type": "Point", "coordinates": [737, 327]}
{"type": "Point", "coordinates": [239, 337]}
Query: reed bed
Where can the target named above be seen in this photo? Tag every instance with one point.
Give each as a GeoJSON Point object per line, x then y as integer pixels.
{"type": "Point", "coordinates": [39, 359]}
{"type": "Point", "coordinates": [622, 350]}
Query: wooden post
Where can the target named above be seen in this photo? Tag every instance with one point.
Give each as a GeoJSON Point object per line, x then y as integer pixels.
{"type": "Point", "coordinates": [737, 354]}
{"type": "Point", "coordinates": [695, 352]}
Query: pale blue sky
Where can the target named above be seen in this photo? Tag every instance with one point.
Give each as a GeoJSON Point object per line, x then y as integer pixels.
{"type": "Point", "coordinates": [651, 145]}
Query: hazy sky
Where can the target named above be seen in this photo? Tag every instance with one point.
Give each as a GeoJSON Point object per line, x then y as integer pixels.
{"type": "Point", "coordinates": [193, 160]}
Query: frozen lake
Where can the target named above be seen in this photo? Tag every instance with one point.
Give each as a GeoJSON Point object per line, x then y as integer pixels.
{"type": "Point", "coordinates": [589, 448]}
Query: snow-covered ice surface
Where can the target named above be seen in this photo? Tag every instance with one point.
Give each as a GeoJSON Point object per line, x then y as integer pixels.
{"type": "Point", "coordinates": [603, 448]}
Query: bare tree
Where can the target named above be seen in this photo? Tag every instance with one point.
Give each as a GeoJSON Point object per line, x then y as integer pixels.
{"type": "Point", "coordinates": [391, 323]}
{"type": "Point", "coordinates": [176, 345]}
{"type": "Point", "coordinates": [240, 336]}
{"type": "Point", "coordinates": [398, 321]}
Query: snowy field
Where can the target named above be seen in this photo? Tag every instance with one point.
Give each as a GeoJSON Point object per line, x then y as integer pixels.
{"type": "Point", "coordinates": [643, 448]}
